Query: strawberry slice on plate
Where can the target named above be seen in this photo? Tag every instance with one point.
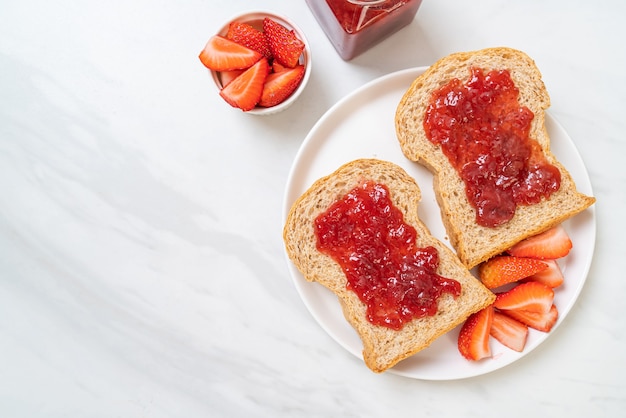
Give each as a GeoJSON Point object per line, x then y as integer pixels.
{"type": "Point", "coordinates": [541, 321]}
{"type": "Point", "coordinates": [551, 244]}
{"type": "Point", "coordinates": [221, 54]}
{"type": "Point", "coordinates": [510, 332]}
{"type": "Point", "coordinates": [284, 44]}
{"type": "Point", "coordinates": [247, 35]}
{"type": "Point", "coordinates": [473, 341]}
{"type": "Point", "coordinates": [528, 296]}
{"type": "Point", "coordinates": [244, 92]}
{"type": "Point", "coordinates": [551, 276]}
{"type": "Point", "coordinates": [505, 269]}
{"type": "Point", "coordinates": [279, 86]}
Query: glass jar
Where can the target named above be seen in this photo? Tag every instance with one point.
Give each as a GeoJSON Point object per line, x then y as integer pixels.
{"type": "Point", "coordinates": [353, 26]}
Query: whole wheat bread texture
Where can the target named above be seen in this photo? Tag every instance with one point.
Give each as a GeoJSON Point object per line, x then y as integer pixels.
{"type": "Point", "coordinates": [382, 347]}
{"type": "Point", "coordinates": [475, 243]}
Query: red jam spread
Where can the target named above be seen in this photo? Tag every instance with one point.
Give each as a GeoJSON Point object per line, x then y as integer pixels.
{"type": "Point", "coordinates": [366, 234]}
{"type": "Point", "coordinates": [353, 26]}
{"type": "Point", "coordinates": [484, 132]}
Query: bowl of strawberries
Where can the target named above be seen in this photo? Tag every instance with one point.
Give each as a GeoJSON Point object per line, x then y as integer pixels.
{"type": "Point", "coordinates": [259, 61]}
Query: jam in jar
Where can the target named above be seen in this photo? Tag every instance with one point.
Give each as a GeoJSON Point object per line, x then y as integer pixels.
{"type": "Point", "coordinates": [484, 132]}
{"type": "Point", "coordinates": [354, 26]}
{"type": "Point", "coordinates": [365, 233]}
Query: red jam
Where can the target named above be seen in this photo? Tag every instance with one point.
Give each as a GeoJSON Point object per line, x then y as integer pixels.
{"type": "Point", "coordinates": [484, 132]}
{"type": "Point", "coordinates": [367, 236]}
{"type": "Point", "coordinates": [353, 26]}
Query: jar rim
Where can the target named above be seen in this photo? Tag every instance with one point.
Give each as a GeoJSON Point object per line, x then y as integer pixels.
{"type": "Point", "coordinates": [366, 2]}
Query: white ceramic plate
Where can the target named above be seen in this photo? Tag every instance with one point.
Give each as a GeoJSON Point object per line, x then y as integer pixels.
{"type": "Point", "coordinates": [362, 126]}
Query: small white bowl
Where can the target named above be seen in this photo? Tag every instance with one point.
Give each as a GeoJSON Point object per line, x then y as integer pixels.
{"type": "Point", "coordinates": [255, 18]}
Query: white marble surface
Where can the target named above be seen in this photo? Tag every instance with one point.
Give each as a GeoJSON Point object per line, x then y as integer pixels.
{"type": "Point", "coordinates": [141, 262]}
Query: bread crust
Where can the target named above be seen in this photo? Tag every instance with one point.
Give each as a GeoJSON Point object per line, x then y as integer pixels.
{"type": "Point", "coordinates": [382, 347]}
{"type": "Point", "coordinates": [472, 242]}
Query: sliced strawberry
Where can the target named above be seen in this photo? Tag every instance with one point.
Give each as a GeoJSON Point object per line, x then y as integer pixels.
{"type": "Point", "coordinates": [245, 91]}
{"type": "Point", "coordinates": [505, 269]}
{"type": "Point", "coordinates": [284, 44]}
{"type": "Point", "coordinates": [510, 332]}
{"type": "Point", "coordinates": [528, 296]}
{"type": "Point", "coordinates": [277, 67]}
{"type": "Point", "coordinates": [541, 321]}
{"type": "Point", "coordinates": [246, 35]}
{"type": "Point", "coordinates": [551, 277]}
{"type": "Point", "coordinates": [221, 54]}
{"type": "Point", "coordinates": [473, 339]}
{"type": "Point", "coordinates": [279, 86]}
{"type": "Point", "coordinates": [551, 244]}
{"type": "Point", "coordinates": [227, 76]}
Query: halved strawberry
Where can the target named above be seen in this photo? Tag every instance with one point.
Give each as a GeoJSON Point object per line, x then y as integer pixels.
{"type": "Point", "coordinates": [284, 44]}
{"type": "Point", "coordinates": [541, 321]}
{"type": "Point", "coordinates": [245, 91]}
{"type": "Point", "coordinates": [277, 67]}
{"type": "Point", "coordinates": [505, 269]}
{"type": "Point", "coordinates": [551, 244]}
{"type": "Point", "coordinates": [510, 332]}
{"type": "Point", "coordinates": [221, 54]}
{"type": "Point", "coordinates": [279, 86]}
{"type": "Point", "coordinates": [528, 296]}
{"type": "Point", "coordinates": [473, 342]}
{"type": "Point", "coordinates": [551, 277]}
{"type": "Point", "coordinates": [247, 35]}
{"type": "Point", "coordinates": [227, 76]}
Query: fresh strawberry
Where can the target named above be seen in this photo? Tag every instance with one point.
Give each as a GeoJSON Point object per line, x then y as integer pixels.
{"type": "Point", "coordinates": [284, 44]}
{"type": "Point", "coordinates": [279, 86]}
{"type": "Point", "coordinates": [541, 321]}
{"type": "Point", "coordinates": [551, 244]}
{"type": "Point", "coordinates": [552, 276]}
{"type": "Point", "coordinates": [221, 54]}
{"type": "Point", "coordinates": [277, 67]}
{"type": "Point", "coordinates": [227, 76]}
{"type": "Point", "coordinates": [245, 91]}
{"type": "Point", "coordinates": [473, 339]}
{"type": "Point", "coordinates": [246, 35]}
{"type": "Point", "coordinates": [528, 296]}
{"type": "Point", "coordinates": [510, 332]}
{"type": "Point", "coordinates": [505, 269]}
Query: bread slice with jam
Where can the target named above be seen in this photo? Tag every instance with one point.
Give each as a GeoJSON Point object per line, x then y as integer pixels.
{"type": "Point", "coordinates": [383, 346]}
{"type": "Point", "coordinates": [473, 242]}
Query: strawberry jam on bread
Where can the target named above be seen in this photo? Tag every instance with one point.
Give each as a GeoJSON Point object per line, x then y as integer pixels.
{"type": "Point", "coordinates": [546, 205]}
{"type": "Point", "coordinates": [383, 346]}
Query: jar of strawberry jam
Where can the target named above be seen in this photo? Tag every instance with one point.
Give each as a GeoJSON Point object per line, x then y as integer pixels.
{"type": "Point", "coordinates": [353, 26]}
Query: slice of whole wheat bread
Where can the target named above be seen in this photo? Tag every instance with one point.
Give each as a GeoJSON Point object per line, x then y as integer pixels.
{"type": "Point", "coordinates": [475, 243]}
{"type": "Point", "coordinates": [382, 347]}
